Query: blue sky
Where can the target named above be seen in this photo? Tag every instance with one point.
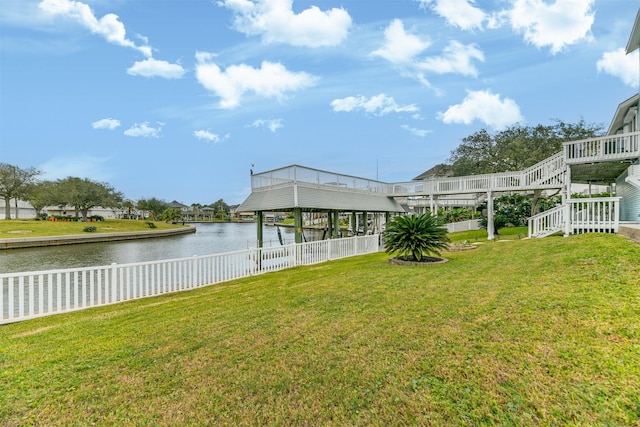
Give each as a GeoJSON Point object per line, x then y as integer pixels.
{"type": "Point", "coordinates": [176, 99]}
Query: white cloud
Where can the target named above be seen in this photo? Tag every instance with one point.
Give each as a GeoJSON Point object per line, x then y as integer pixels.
{"type": "Point", "coordinates": [108, 26]}
{"type": "Point", "coordinates": [379, 105]}
{"type": "Point", "coordinates": [22, 13]}
{"type": "Point", "coordinates": [276, 22]}
{"type": "Point", "coordinates": [80, 166]}
{"type": "Point", "coordinates": [207, 136]}
{"type": "Point", "coordinates": [459, 13]}
{"type": "Point", "coordinates": [486, 107]}
{"type": "Point", "coordinates": [400, 47]}
{"type": "Point", "coordinates": [155, 68]}
{"type": "Point", "coordinates": [557, 24]}
{"type": "Point", "coordinates": [406, 52]}
{"type": "Point", "coordinates": [272, 125]}
{"type": "Point", "coordinates": [144, 130]}
{"type": "Point", "coordinates": [456, 58]}
{"type": "Point", "coordinates": [107, 123]}
{"type": "Point", "coordinates": [421, 133]}
{"type": "Point", "coordinates": [271, 80]}
{"type": "Point", "coordinates": [620, 65]}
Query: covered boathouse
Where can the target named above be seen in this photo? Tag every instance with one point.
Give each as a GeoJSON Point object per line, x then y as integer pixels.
{"type": "Point", "coordinates": [612, 160]}
{"type": "Point", "coordinates": [302, 189]}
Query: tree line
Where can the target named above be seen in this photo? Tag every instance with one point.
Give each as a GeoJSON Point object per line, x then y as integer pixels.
{"type": "Point", "coordinates": [81, 194]}
{"type": "Point", "coordinates": [515, 148]}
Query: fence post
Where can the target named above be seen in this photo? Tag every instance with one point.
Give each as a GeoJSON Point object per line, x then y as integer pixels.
{"type": "Point", "coordinates": [2, 299]}
{"type": "Point", "coordinates": [194, 272]}
{"type": "Point", "coordinates": [114, 282]}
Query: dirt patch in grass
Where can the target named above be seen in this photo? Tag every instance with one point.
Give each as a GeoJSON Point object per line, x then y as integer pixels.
{"type": "Point", "coordinates": [457, 247]}
{"type": "Point", "coordinates": [425, 261]}
{"type": "Point", "coordinates": [32, 332]}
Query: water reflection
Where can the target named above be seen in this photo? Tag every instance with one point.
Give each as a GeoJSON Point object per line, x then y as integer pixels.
{"type": "Point", "coordinates": [208, 239]}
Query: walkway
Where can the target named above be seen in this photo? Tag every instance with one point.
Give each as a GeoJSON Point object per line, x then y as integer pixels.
{"type": "Point", "coordinates": [593, 160]}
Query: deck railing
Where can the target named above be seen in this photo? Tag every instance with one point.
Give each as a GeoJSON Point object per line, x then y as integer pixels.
{"type": "Point", "coordinates": [612, 147]}
{"type": "Point", "coordinates": [548, 173]}
{"type": "Point", "coordinates": [301, 174]}
{"type": "Point", "coordinates": [598, 214]}
{"type": "Point", "coordinates": [548, 222]}
{"type": "Point", "coordinates": [34, 294]}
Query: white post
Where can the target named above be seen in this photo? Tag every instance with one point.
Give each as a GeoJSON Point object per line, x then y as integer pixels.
{"type": "Point", "coordinates": [566, 200]}
{"type": "Point", "coordinates": [490, 227]}
{"type": "Point", "coordinates": [21, 296]}
{"type": "Point", "coordinates": [2, 298]}
{"type": "Point", "coordinates": [11, 297]}
{"type": "Point", "coordinates": [194, 279]}
{"type": "Point", "coordinates": [114, 283]}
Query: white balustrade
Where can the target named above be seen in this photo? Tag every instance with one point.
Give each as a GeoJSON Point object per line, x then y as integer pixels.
{"type": "Point", "coordinates": [595, 215]}
{"type": "Point", "coordinates": [548, 222]}
{"type": "Point", "coordinates": [28, 295]}
{"type": "Point", "coordinates": [604, 148]}
{"type": "Point", "coordinates": [598, 214]}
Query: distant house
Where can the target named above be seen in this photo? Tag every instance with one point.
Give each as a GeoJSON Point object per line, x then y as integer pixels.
{"type": "Point", "coordinates": [177, 205]}
{"type": "Point", "coordinates": [438, 171]}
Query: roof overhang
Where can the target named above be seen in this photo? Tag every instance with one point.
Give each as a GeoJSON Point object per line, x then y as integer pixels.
{"type": "Point", "coordinates": [634, 38]}
{"type": "Point", "coordinates": [604, 173]}
{"type": "Point", "coordinates": [618, 119]}
{"type": "Point", "coordinates": [308, 197]}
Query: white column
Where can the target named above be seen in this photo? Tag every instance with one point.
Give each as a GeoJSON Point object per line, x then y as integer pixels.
{"type": "Point", "coordinates": [490, 228]}
{"type": "Point", "coordinates": [566, 200]}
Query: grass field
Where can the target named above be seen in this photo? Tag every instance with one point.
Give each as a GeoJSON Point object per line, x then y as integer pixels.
{"type": "Point", "coordinates": [517, 332]}
{"type": "Point", "coordinates": [30, 228]}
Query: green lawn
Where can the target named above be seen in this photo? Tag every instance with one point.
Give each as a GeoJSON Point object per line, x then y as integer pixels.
{"type": "Point", "coordinates": [520, 332]}
{"type": "Point", "coordinates": [31, 228]}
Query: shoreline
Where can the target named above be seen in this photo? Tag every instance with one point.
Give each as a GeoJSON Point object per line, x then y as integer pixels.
{"type": "Point", "coordinates": [74, 239]}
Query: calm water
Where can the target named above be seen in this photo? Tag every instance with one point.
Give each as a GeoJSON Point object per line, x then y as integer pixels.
{"type": "Point", "coordinates": [208, 239]}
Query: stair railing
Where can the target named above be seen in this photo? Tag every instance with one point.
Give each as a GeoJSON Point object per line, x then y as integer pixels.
{"type": "Point", "coordinates": [548, 222]}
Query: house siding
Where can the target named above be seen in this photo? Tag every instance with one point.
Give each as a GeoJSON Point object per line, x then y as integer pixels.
{"type": "Point", "coordinates": [630, 199]}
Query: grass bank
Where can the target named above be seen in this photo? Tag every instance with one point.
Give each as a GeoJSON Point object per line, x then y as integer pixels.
{"type": "Point", "coordinates": [522, 332]}
{"type": "Point", "coordinates": [25, 228]}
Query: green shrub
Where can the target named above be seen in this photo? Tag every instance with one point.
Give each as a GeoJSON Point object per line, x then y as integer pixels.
{"type": "Point", "coordinates": [90, 229]}
{"type": "Point", "coordinates": [415, 236]}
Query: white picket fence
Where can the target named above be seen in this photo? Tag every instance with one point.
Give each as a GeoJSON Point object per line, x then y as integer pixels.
{"type": "Point", "coordinates": [29, 295]}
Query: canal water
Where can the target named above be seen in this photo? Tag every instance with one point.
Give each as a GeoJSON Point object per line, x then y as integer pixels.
{"type": "Point", "coordinates": [209, 238]}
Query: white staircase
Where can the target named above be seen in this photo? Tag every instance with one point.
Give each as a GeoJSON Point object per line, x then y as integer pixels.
{"type": "Point", "coordinates": [548, 222]}
{"type": "Point", "coordinates": [549, 172]}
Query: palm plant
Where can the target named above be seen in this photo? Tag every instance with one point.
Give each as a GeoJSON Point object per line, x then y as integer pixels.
{"type": "Point", "coordinates": [414, 237]}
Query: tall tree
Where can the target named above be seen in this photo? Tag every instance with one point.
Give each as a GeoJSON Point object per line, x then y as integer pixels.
{"type": "Point", "coordinates": [40, 195]}
{"type": "Point", "coordinates": [155, 207]}
{"type": "Point", "coordinates": [222, 209]}
{"type": "Point", "coordinates": [516, 147]}
{"type": "Point", "coordinates": [172, 215]}
{"type": "Point", "coordinates": [83, 194]}
{"type": "Point", "coordinates": [14, 182]}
